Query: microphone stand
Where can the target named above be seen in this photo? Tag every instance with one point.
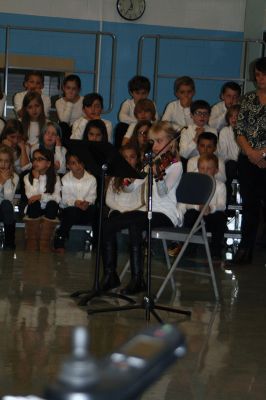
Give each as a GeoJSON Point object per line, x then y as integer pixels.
{"type": "Point", "coordinates": [147, 304]}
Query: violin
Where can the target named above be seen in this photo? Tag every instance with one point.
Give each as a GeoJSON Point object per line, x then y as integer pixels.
{"type": "Point", "coordinates": [162, 163]}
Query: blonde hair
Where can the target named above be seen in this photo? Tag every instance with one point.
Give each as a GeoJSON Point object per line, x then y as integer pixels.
{"type": "Point", "coordinates": [170, 133]}
{"type": "Point", "coordinates": [209, 157]}
{"type": "Point", "coordinates": [10, 152]}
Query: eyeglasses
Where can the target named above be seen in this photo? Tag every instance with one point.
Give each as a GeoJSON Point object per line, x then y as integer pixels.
{"type": "Point", "coordinates": [202, 113]}
{"type": "Point", "coordinates": [39, 159]}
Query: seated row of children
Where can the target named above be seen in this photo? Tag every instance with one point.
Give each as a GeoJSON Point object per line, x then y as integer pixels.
{"type": "Point", "coordinates": [75, 112]}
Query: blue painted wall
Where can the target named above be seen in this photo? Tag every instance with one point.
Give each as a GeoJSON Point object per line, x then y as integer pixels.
{"type": "Point", "coordinates": [196, 58]}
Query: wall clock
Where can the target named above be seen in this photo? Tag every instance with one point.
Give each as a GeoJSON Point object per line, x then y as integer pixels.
{"type": "Point", "coordinates": [131, 10]}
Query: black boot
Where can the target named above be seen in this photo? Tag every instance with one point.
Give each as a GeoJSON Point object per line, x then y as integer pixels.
{"type": "Point", "coordinates": [110, 278]}
{"type": "Point", "coordinates": [136, 284]}
{"type": "Point", "coordinates": [243, 256]}
{"type": "Point", "coordinates": [9, 242]}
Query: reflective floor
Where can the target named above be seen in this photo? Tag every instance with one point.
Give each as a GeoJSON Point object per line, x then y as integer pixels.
{"type": "Point", "coordinates": [226, 356]}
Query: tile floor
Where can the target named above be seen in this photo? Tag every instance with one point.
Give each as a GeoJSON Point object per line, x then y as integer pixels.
{"type": "Point", "coordinates": [226, 356]}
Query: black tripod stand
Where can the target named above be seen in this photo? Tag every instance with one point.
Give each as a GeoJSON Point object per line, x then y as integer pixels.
{"type": "Point", "coordinates": [147, 303]}
{"type": "Point", "coordinates": [101, 159]}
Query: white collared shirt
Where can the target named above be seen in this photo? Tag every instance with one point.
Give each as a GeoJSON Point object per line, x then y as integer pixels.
{"type": "Point", "coordinates": [8, 189]}
{"type": "Point", "coordinates": [80, 124]}
{"type": "Point", "coordinates": [188, 147]}
{"type": "Point", "coordinates": [128, 199]}
{"type": "Point", "coordinates": [192, 166]}
{"type": "Point", "coordinates": [67, 111]}
{"type": "Point", "coordinates": [38, 186]}
{"type": "Point", "coordinates": [18, 101]}
{"type": "Point", "coordinates": [217, 117]}
{"type": "Point", "coordinates": [228, 148]}
{"type": "Point", "coordinates": [178, 116]}
{"type": "Point", "coordinates": [73, 189]}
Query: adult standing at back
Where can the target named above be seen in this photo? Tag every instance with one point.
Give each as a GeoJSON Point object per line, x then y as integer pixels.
{"type": "Point", "coordinates": [251, 137]}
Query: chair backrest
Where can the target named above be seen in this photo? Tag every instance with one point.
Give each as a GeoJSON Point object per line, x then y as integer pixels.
{"type": "Point", "coordinates": [195, 188]}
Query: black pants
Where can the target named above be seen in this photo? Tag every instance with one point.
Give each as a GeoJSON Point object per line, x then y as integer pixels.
{"type": "Point", "coordinates": [231, 171]}
{"type": "Point", "coordinates": [74, 215]}
{"type": "Point", "coordinates": [252, 181]}
{"type": "Point", "coordinates": [50, 211]}
{"type": "Point", "coordinates": [7, 214]}
{"type": "Point", "coordinates": [135, 221]}
{"type": "Point", "coordinates": [215, 223]}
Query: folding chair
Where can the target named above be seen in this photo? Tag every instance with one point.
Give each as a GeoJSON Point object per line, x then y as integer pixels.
{"type": "Point", "coordinates": [198, 189]}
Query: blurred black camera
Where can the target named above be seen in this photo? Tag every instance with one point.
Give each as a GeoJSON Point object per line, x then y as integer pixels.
{"type": "Point", "coordinates": [124, 374]}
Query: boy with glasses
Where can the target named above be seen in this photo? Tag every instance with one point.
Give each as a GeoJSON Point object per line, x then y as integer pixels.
{"type": "Point", "coordinates": [200, 113]}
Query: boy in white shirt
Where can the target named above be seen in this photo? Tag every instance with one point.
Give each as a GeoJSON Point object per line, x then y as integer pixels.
{"type": "Point", "coordinates": [33, 82]}
{"type": "Point", "coordinates": [178, 112]}
{"type": "Point", "coordinates": [207, 144]}
{"type": "Point", "coordinates": [92, 109]}
{"type": "Point", "coordinates": [230, 94]}
{"type": "Point", "coordinates": [200, 113]}
{"type": "Point", "coordinates": [215, 217]}
{"type": "Point", "coordinates": [144, 111]}
{"type": "Point", "coordinates": [139, 88]}
{"type": "Point", "coordinates": [78, 198]}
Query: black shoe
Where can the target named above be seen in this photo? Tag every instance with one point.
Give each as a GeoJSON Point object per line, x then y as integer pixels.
{"type": "Point", "coordinates": [136, 285]}
{"type": "Point", "coordinates": [110, 281]}
{"type": "Point", "coordinates": [242, 256]}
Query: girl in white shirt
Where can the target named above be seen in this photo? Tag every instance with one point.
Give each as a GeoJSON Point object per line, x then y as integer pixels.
{"type": "Point", "coordinates": [42, 187]}
{"type": "Point", "coordinates": [95, 131]}
{"type": "Point", "coordinates": [8, 184]}
{"type": "Point", "coordinates": [13, 136]}
{"type": "Point", "coordinates": [78, 198]}
{"type": "Point", "coordinates": [69, 107]}
{"type": "Point", "coordinates": [50, 138]}
{"type": "Point", "coordinates": [139, 137]}
{"type": "Point", "coordinates": [33, 82]}
{"type": "Point", "coordinates": [165, 213]}
{"type": "Point", "coordinates": [126, 194]}
{"type": "Point", "coordinates": [33, 117]}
